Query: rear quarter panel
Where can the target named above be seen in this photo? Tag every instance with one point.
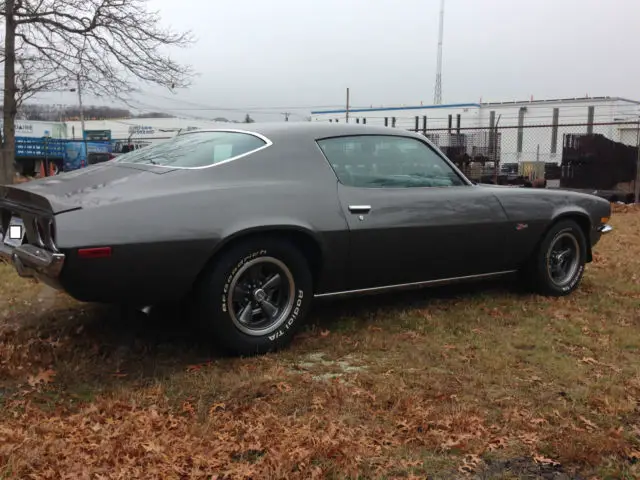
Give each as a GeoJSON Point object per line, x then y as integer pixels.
{"type": "Point", "coordinates": [160, 243]}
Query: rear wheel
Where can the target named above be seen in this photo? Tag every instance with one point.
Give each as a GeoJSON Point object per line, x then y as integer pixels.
{"type": "Point", "coordinates": [255, 296]}
{"type": "Point", "coordinates": [557, 267]}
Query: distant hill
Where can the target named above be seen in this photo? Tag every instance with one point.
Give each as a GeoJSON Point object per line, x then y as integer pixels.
{"type": "Point", "coordinates": [61, 113]}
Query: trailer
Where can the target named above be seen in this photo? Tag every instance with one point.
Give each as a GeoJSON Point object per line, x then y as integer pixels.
{"type": "Point", "coordinates": [61, 154]}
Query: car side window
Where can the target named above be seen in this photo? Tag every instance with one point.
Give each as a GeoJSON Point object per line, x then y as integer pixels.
{"type": "Point", "coordinates": [374, 161]}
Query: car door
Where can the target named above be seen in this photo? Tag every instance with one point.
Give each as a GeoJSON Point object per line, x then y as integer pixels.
{"type": "Point", "coordinates": [411, 216]}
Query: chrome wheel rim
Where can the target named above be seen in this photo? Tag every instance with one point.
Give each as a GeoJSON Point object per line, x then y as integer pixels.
{"type": "Point", "coordinates": [261, 296]}
{"type": "Point", "coordinates": [563, 259]}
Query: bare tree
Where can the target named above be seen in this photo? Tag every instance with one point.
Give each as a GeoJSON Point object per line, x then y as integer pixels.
{"type": "Point", "coordinates": [46, 112]}
{"type": "Point", "coordinates": [107, 46]}
{"type": "Point", "coordinates": [31, 79]}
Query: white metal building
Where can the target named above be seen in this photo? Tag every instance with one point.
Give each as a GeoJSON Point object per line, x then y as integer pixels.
{"type": "Point", "coordinates": [610, 116]}
{"type": "Point", "coordinates": [141, 131]}
{"type": "Point", "coordinates": [39, 129]}
{"type": "Point", "coordinates": [134, 129]}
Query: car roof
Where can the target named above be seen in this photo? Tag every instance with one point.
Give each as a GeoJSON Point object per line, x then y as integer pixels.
{"type": "Point", "coordinates": [310, 130]}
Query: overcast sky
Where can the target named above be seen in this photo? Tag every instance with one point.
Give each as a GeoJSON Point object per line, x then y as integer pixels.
{"type": "Point", "coordinates": [303, 53]}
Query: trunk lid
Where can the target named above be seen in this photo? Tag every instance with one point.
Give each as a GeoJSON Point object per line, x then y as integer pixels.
{"type": "Point", "coordinates": [91, 186]}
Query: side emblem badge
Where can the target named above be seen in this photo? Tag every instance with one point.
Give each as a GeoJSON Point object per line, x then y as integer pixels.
{"type": "Point", "coordinates": [521, 226]}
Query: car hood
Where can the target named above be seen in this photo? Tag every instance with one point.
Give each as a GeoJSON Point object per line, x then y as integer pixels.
{"type": "Point", "coordinates": [95, 185]}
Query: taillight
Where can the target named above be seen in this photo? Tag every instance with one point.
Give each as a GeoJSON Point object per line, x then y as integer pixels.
{"type": "Point", "coordinates": [96, 252]}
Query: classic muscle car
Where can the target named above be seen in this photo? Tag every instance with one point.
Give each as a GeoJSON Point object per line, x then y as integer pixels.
{"type": "Point", "coordinates": [251, 225]}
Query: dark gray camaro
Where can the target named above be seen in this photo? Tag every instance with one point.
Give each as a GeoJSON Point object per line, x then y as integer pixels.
{"type": "Point", "coordinates": [251, 225]}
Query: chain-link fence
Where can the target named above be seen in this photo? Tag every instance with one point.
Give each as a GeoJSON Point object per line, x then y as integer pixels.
{"type": "Point", "coordinates": [602, 157]}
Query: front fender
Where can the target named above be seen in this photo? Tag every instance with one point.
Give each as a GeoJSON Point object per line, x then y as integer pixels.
{"type": "Point", "coordinates": [538, 209]}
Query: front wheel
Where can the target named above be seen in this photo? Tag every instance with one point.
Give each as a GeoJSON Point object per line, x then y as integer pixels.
{"type": "Point", "coordinates": [255, 296]}
{"type": "Point", "coordinates": [558, 265]}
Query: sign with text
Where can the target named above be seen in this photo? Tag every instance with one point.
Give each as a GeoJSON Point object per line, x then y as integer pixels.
{"type": "Point", "coordinates": [21, 127]}
{"type": "Point", "coordinates": [141, 130]}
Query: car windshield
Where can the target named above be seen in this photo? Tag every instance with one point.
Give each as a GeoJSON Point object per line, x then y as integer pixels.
{"type": "Point", "coordinates": [199, 149]}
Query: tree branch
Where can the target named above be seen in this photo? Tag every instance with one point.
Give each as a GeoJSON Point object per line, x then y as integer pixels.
{"type": "Point", "coordinates": [110, 44]}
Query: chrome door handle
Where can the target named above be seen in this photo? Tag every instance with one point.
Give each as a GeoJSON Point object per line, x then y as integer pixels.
{"type": "Point", "coordinates": [359, 209]}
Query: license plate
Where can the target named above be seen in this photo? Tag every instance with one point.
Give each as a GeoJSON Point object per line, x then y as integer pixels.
{"type": "Point", "coordinates": [15, 232]}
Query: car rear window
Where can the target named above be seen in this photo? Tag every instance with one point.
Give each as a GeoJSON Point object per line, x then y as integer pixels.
{"type": "Point", "coordinates": [195, 150]}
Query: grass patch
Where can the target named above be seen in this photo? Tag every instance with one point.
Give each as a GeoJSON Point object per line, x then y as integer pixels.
{"type": "Point", "coordinates": [443, 382]}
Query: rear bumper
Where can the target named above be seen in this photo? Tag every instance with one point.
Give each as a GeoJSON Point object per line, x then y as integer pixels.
{"type": "Point", "coordinates": [34, 262]}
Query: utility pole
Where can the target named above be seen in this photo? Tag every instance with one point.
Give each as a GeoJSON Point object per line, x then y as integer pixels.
{"type": "Point", "coordinates": [80, 105]}
{"type": "Point", "coordinates": [84, 138]}
{"type": "Point", "coordinates": [347, 110]}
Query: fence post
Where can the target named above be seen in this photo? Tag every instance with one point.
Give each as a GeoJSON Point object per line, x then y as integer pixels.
{"type": "Point", "coordinates": [386, 121]}
{"type": "Point", "coordinates": [554, 130]}
{"type": "Point", "coordinates": [450, 123]}
{"type": "Point", "coordinates": [424, 125]}
{"type": "Point", "coordinates": [393, 122]}
{"type": "Point", "coordinates": [458, 117]}
{"type": "Point", "coordinates": [637, 182]}
{"type": "Point", "coordinates": [590, 115]}
{"type": "Point", "coordinates": [357, 119]}
{"type": "Point", "coordinates": [364, 120]}
{"type": "Point", "coordinates": [492, 125]}
{"type": "Point", "coordinates": [417, 124]}
{"type": "Point", "coordinates": [520, 125]}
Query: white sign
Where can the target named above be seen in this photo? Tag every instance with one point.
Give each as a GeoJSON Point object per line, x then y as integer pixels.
{"type": "Point", "coordinates": [141, 130]}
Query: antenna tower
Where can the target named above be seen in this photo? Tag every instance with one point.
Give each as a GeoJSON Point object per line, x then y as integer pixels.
{"type": "Point", "coordinates": [437, 94]}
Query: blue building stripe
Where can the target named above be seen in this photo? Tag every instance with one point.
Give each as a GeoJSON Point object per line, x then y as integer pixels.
{"type": "Point", "coordinates": [389, 109]}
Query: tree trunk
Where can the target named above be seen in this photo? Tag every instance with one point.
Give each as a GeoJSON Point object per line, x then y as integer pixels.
{"type": "Point", "coordinates": [7, 166]}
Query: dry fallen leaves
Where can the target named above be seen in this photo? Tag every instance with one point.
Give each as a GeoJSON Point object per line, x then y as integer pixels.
{"type": "Point", "coordinates": [43, 376]}
{"type": "Point", "coordinates": [588, 422]}
{"type": "Point", "coordinates": [544, 460]}
{"type": "Point", "coordinates": [197, 367]}
{"type": "Point", "coordinates": [470, 464]}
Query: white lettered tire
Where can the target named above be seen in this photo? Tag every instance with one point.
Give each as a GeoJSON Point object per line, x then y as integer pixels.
{"type": "Point", "coordinates": [254, 296]}
{"type": "Point", "coordinates": [558, 266]}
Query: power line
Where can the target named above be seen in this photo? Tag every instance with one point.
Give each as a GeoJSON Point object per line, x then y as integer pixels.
{"type": "Point", "coordinates": [202, 106]}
